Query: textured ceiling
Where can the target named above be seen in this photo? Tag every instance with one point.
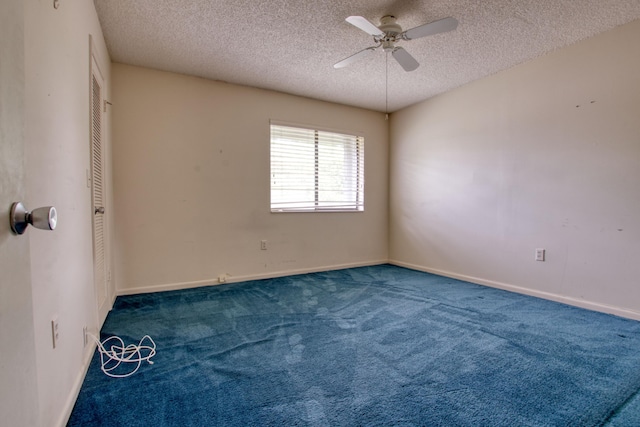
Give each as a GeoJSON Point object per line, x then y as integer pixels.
{"type": "Point", "coordinates": [291, 45]}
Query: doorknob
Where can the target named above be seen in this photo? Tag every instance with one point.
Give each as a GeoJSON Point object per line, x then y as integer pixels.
{"type": "Point", "coordinates": [44, 218]}
{"type": "Point", "coordinates": [99, 210]}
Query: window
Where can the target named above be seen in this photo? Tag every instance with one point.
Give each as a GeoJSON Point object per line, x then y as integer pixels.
{"type": "Point", "coordinates": [314, 170]}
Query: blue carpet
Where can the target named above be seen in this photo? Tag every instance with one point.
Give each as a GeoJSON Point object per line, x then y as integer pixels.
{"type": "Point", "coordinates": [370, 346]}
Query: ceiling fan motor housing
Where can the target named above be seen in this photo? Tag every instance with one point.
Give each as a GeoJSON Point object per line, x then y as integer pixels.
{"type": "Point", "coordinates": [389, 26]}
{"type": "Point", "coordinates": [391, 31]}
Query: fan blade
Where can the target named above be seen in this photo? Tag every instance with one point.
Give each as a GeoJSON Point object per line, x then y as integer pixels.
{"type": "Point", "coordinates": [365, 25]}
{"type": "Point", "coordinates": [405, 59]}
{"type": "Point", "coordinates": [440, 26]}
{"type": "Point", "coordinates": [354, 57]}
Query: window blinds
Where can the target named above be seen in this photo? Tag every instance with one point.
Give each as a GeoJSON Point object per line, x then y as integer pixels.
{"type": "Point", "coordinates": [314, 170]}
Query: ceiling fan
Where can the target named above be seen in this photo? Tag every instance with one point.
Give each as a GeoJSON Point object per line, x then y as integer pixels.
{"type": "Point", "coordinates": [389, 33]}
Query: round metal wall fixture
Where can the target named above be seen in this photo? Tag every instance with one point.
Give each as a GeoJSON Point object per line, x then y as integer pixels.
{"type": "Point", "coordinates": [45, 218]}
{"type": "Point", "coordinates": [18, 218]}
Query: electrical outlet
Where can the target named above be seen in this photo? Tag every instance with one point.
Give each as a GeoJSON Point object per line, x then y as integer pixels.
{"type": "Point", "coordinates": [222, 278]}
{"type": "Point", "coordinates": [84, 336]}
{"type": "Point", "coordinates": [540, 254]}
{"type": "Point", "coordinates": [55, 331]}
{"type": "Point", "coordinates": [263, 245]}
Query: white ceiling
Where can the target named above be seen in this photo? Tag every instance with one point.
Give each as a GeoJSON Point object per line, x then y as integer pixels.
{"type": "Point", "coordinates": [291, 45]}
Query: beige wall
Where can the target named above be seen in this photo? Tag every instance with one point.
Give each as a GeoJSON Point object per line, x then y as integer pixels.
{"type": "Point", "coordinates": [18, 383]}
{"type": "Point", "coordinates": [191, 178]}
{"type": "Point", "coordinates": [544, 155]}
{"type": "Point", "coordinates": [57, 158]}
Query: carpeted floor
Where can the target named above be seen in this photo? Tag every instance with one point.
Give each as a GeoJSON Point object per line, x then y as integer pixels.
{"type": "Point", "coordinates": [370, 346]}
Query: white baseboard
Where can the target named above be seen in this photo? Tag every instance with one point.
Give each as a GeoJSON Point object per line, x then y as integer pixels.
{"type": "Point", "coordinates": [235, 279]}
{"type": "Point", "coordinates": [590, 305]}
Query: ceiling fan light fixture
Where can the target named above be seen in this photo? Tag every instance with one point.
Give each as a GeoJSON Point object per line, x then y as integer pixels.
{"type": "Point", "coordinates": [388, 46]}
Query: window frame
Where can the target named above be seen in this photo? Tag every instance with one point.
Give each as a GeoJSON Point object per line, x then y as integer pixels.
{"type": "Point", "coordinates": [358, 171]}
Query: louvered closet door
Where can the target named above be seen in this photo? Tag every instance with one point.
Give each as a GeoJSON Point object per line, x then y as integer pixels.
{"type": "Point", "coordinates": [98, 197]}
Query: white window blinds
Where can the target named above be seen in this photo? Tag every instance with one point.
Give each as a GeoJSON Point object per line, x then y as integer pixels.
{"type": "Point", "coordinates": [314, 170]}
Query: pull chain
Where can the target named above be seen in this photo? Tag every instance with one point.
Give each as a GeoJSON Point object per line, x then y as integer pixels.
{"type": "Point", "coordinates": [386, 87]}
